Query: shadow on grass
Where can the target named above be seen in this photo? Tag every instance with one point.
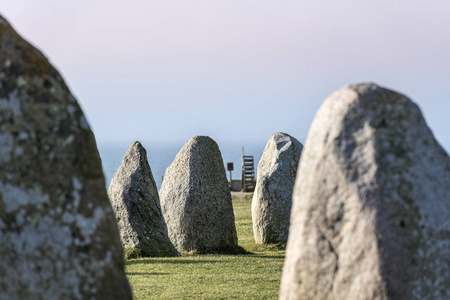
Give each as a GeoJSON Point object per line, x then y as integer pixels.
{"type": "Point", "coordinates": [144, 273]}
{"type": "Point", "coordinates": [188, 260]}
{"type": "Point", "coordinates": [131, 260]}
{"type": "Point", "coordinates": [178, 260]}
{"type": "Point", "coordinates": [238, 250]}
{"type": "Point", "coordinates": [281, 257]}
{"type": "Point", "coordinates": [185, 258]}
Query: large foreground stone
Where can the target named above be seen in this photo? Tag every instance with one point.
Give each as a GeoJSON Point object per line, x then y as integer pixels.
{"type": "Point", "coordinates": [58, 235]}
{"type": "Point", "coordinates": [371, 206]}
{"type": "Point", "coordinates": [135, 200]}
{"type": "Point", "coordinates": [272, 199]}
{"type": "Point", "coordinates": [196, 199]}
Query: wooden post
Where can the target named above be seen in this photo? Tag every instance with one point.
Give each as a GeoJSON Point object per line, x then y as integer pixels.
{"type": "Point", "coordinates": [243, 168]}
{"type": "Point", "coordinates": [230, 167]}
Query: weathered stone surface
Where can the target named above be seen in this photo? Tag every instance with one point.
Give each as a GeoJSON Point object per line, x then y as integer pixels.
{"type": "Point", "coordinates": [272, 199]}
{"type": "Point", "coordinates": [196, 199]}
{"type": "Point", "coordinates": [371, 205]}
{"type": "Point", "coordinates": [58, 235]}
{"type": "Point", "coordinates": [135, 200]}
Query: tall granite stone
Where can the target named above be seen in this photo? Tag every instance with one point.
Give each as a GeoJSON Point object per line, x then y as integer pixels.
{"type": "Point", "coordinates": [58, 235]}
{"type": "Point", "coordinates": [371, 205]}
{"type": "Point", "coordinates": [196, 199]}
{"type": "Point", "coordinates": [135, 201]}
{"type": "Point", "coordinates": [272, 199]}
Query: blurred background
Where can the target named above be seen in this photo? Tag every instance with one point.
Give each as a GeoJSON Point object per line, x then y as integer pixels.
{"type": "Point", "coordinates": [238, 71]}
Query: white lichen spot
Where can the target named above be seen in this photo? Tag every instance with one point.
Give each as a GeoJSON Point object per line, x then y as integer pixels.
{"type": "Point", "coordinates": [12, 103]}
{"type": "Point", "coordinates": [18, 151]}
{"type": "Point", "coordinates": [68, 218]}
{"type": "Point", "coordinates": [21, 81]}
{"type": "Point", "coordinates": [106, 261]}
{"type": "Point", "coordinates": [51, 155]}
{"type": "Point", "coordinates": [15, 198]}
{"type": "Point", "coordinates": [71, 109]}
{"type": "Point", "coordinates": [8, 63]}
{"type": "Point", "coordinates": [23, 136]}
{"type": "Point", "coordinates": [76, 183]}
{"type": "Point", "coordinates": [6, 146]}
{"type": "Point", "coordinates": [29, 243]}
{"type": "Point", "coordinates": [108, 257]}
{"type": "Point", "coordinates": [68, 140]}
{"type": "Point", "coordinates": [88, 226]}
{"type": "Point", "coordinates": [54, 109]}
{"type": "Point", "coordinates": [77, 186]}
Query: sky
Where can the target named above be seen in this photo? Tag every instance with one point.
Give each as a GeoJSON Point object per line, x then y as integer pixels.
{"type": "Point", "coordinates": [236, 70]}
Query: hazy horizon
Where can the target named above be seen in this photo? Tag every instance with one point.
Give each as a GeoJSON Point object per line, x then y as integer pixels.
{"type": "Point", "coordinates": [237, 71]}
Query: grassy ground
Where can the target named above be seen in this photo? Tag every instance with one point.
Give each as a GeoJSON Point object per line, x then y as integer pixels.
{"type": "Point", "coordinates": [249, 276]}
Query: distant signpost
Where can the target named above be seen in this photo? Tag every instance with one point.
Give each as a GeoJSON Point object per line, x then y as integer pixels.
{"type": "Point", "coordinates": [230, 167]}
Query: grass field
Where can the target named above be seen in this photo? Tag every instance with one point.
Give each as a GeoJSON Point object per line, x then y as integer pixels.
{"type": "Point", "coordinates": [249, 276]}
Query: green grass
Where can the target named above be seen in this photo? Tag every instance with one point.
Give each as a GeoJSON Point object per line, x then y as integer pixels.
{"type": "Point", "coordinates": [247, 276]}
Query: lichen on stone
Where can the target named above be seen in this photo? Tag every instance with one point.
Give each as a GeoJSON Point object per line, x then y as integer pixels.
{"type": "Point", "coordinates": [371, 203]}
{"type": "Point", "coordinates": [135, 200]}
{"type": "Point", "coordinates": [6, 147]}
{"type": "Point", "coordinates": [58, 236]}
{"type": "Point", "coordinates": [196, 200]}
{"type": "Point", "coordinates": [271, 203]}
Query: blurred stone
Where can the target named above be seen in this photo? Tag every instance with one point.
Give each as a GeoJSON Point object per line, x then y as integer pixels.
{"type": "Point", "coordinates": [272, 200]}
{"type": "Point", "coordinates": [196, 200]}
{"type": "Point", "coordinates": [58, 234]}
{"type": "Point", "coordinates": [135, 200]}
{"type": "Point", "coordinates": [371, 205]}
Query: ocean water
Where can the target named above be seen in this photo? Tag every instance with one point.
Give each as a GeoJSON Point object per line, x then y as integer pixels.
{"type": "Point", "coordinates": [160, 156]}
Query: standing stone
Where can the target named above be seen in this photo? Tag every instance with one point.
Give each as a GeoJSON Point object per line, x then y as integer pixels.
{"type": "Point", "coordinates": [135, 200]}
{"type": "Point", "coordinates": [196, 199]}
{"type": "Point", "coordinates": [58, 235]}
{"type": "Point", "coordinates": [272, 199]}
{"type": "Point", "coordinates": [371, 206]}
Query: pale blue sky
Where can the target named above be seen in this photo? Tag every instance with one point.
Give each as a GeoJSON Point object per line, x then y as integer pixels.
{"type": "Point", "coordinates": [236, 70]}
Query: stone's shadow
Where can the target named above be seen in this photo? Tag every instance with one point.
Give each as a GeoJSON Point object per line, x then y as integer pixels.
{"type": "Point", "coordinates": [181, 260]}
{"type": "Point", "coordinates": [270, 256]}
{"type": "Point", "coordinates": [237, 250]}
{"type": "Point", "coordinates": [145, 273]}
{"type": "Point", "coordinates": [169, 261]}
